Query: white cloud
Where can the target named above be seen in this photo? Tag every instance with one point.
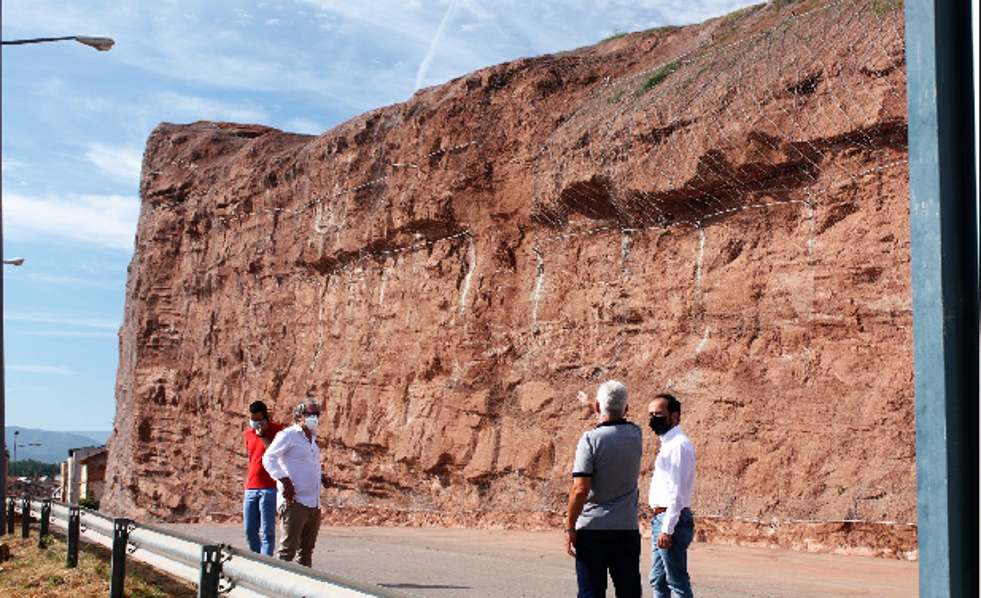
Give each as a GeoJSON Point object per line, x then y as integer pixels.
{"type": "Point", "coordinates": [303, 125]}
{"type": "Point", "coordinates": [41, 318]}
{"type": "Point", "coordinates": [101, 220]}
{"type": "Point", "coordinates": [121, 163]}
{"type": "Point", "coordinates": [78, 282]}
{"type": "Point", "coordinates": [178, 108]}
{"type": "Point", "coordinates": [40, 369]}
{"type": "Point", "coordinates": [10, 165]}
{"type": "Point", "coordinates": [70, 334]}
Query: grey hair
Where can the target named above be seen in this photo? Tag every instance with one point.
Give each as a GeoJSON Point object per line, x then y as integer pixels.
{"type": "Point", "coordinates": [302, 406]}
{"type": "Point", "coordinates": [612, 399]}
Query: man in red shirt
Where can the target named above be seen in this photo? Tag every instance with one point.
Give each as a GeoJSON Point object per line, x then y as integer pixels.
{"type": "Point", "coordinates": [259, 507]}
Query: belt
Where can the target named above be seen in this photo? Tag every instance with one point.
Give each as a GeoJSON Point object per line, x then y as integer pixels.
{"type": "Point", "coordinates": [659, 510]}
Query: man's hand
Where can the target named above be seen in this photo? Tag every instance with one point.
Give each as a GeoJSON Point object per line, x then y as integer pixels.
{"type": "Point", "coordinates": [570, 543]}
{"type": "Point", "coordinates": [289, 492]}
{"type": "Point", "coordinates": [664, 541]}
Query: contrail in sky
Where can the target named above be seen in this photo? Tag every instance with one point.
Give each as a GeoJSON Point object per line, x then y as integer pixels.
{"type": "Point", "coordinates": [424, 65]}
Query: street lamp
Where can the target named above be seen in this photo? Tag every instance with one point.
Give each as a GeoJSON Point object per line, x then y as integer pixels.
{"type": "Point", "coordinates": [23, 446]}
{"type": "Point", "coordinates": [14, 261]}
{"type": "Point", "coordinates": [101, 44]}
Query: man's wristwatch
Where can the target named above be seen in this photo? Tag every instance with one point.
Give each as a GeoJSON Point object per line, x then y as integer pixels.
{"type": "Point", "coordinates": [570, 531]}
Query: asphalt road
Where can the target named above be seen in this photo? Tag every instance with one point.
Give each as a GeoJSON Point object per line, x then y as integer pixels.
{"type": "Point", "coordinates": [455, 563]}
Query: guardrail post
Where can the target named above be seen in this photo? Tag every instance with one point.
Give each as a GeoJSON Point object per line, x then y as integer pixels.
{"type": "Point", "coordinates": [25, 517]}
{"type": "Point", "coordinates": [74, 526]}
{"type": "Point", "coordinates": [10, 514]}
{"type": "Point", "coordinates": [45, 521]}
{"type": "Point", "coordinates": [120, 537]}
{"type": "Point", "coordinates": [210, 571]}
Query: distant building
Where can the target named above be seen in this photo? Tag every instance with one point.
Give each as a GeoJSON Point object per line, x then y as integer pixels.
{"type": "Point", "coordinates": [83, 475]}
{"type": "Point", "coordinates": [38, 488]}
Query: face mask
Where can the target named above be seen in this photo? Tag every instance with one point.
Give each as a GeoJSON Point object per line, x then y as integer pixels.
{"type": "Point", "coordinates": [659, 424]}
{"type": "Point", "coordinates": [255, 424]}
{"type": "Point", "coordinates": [311, 422]}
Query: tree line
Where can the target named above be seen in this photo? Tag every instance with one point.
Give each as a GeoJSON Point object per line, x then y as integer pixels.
{"type": "Point", "coordinates": [29, 468]}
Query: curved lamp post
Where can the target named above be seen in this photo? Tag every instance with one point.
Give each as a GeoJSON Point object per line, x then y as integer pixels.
{"type": "Point", "coordinates": [23, 446]}
{"type": "Point", "coordinates": [101, 44]}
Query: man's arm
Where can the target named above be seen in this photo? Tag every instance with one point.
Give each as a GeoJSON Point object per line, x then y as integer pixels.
{"type": "Point", "coordinates": [577, 499]}
{"type": "Point", "coordinates": [271, 461]}
{"type": "Point", "coordinates": [679, 462]}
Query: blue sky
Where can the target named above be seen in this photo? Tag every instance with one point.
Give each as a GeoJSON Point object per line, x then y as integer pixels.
{"type": "Point", "coordinates": [75, 122]}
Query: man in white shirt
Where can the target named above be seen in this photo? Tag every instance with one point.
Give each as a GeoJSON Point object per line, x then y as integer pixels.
{"type": "Point", "coordinates": [293, 460]}
{"type": "Point", "coordinates": [672, 485]}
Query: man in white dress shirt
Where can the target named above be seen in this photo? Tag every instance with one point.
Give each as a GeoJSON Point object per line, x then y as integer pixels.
{"type": "Point", "coordinates": [672, 485]}
{"type": "Point", "coordinates": [293, 460]}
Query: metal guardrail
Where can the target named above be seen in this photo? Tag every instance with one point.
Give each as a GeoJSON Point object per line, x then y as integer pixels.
{"type": "Point", "coordinates": [217, 569]}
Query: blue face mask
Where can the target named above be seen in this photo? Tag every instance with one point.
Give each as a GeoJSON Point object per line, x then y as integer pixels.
{"type": "Point", "coordinates": [255, 424]}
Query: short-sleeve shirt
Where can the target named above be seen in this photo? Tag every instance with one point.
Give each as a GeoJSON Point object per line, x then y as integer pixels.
{"type": "Point", "coordinates": [257, 477]}
{"type": "Point", "coordinates": [610, 455]}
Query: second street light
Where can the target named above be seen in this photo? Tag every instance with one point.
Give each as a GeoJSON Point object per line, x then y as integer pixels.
{"type": "Point", "coordinates": [101, 44]}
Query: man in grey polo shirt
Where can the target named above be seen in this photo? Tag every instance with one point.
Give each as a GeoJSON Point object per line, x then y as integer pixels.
{"type": "Point", "coordinates": [602, 532]}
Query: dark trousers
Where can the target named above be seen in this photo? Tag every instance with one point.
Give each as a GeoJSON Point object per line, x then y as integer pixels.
{"type": "Point", "coordinates": [613, 551]}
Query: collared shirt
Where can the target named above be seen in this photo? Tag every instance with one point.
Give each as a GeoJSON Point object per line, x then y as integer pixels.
{"type": "Point", "coordinates": [292, 455]}
{"type": "Point", "coordinates": [257, 476]}
{"type": "Point", "coordinates": [673, 481]}
{"type": "Point", "coordinates": [610, 454]}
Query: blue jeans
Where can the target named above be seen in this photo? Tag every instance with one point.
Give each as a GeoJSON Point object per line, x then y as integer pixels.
{"type": "Point", "coordinates": [616, 551]}
{"type": "Point", "coordinates": [669, 568]}
{"type": "Point", "coordinates": [259, 509]}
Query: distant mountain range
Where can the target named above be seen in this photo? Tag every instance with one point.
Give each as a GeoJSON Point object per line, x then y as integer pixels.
{"type": "Point", "coordinates": [47, 446]}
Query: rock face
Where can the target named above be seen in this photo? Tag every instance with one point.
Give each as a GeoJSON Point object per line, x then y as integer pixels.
{"type": "Point", "coordinates": [719, 211]}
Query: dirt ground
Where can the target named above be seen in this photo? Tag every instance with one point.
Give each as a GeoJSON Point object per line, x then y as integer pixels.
{"type": "Point", "coordinates": [456, 563]}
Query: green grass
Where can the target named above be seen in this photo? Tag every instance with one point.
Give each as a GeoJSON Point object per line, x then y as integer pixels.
{"type": "Point", "coordinates": [662, 73]}
{"type": "Point", "coordinates": [883, 6]}
{"type": "Point", "coordinates": [617, 34]}
{"type": "Point", "coordinates": [662, 28]}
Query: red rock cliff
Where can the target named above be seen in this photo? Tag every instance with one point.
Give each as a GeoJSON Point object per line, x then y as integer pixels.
{"type": "Point", "coordinates": [718, 210]}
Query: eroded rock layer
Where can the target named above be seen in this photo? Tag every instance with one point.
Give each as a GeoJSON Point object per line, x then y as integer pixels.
{"type": "Point", "coordinates": [718, 210]}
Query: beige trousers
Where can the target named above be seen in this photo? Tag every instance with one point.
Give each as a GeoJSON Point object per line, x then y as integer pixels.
{"type": "Point", "coordinates": [299, 526]}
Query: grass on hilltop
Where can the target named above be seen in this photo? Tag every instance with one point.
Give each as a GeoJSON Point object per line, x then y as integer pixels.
{"type": "Point", "coordinates": [33, 572]}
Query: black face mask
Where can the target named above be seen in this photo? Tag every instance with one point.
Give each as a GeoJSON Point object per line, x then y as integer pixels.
{"type": "Point", "coordinates": [659, 424]}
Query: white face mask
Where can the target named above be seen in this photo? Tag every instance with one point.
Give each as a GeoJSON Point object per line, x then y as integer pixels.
{"type": "Point", "coordinates": [311, 422]}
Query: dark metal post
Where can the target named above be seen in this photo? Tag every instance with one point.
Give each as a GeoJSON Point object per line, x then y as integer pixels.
{"type": "Point", "coordinates": [45, 522]}
{"type": "Point", "coordinates": [3, 401]}
{"type": "Point", "coordinates": [120, 537]}
{"type": "Point", "coordinates": [210, 572]}
{"type": "Point", "coordinates": [74, 527]}
{"type": "Point", "coordinates": [25, 517]}
{"type": "Point", "coordinates": [944, 261]}
{"type": "Point", "coordinates": [10, 515]}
